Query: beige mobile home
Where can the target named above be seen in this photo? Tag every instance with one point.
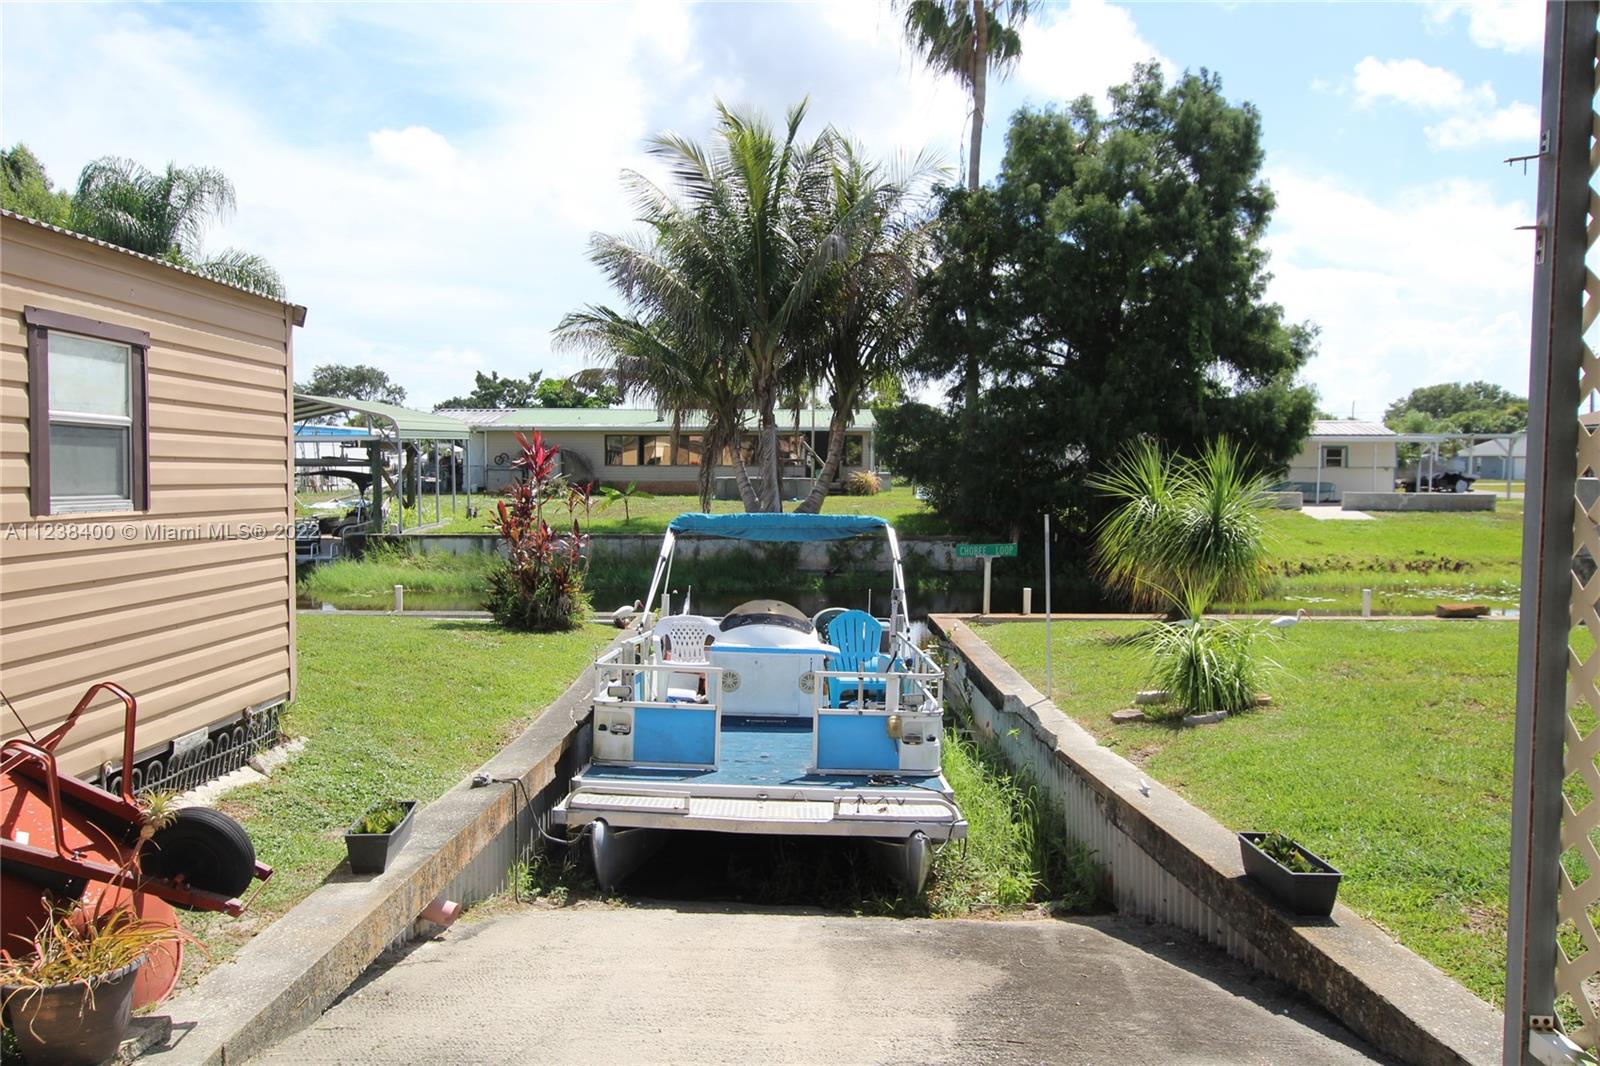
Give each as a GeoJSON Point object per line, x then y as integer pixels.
{"type": "Point", "coordinates": [145, 506]}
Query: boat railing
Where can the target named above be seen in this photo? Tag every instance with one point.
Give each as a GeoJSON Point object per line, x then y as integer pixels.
{"type": "Point", "coordinates": [630, 674]}
{"type": "Point", "coordinates": [913, 682]}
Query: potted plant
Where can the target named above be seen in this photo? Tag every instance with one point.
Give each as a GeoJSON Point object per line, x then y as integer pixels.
{"type": "Point", "coordinates": [70, 1000]}
{"type": "Point", "coordinates": [377, 836]}
{"type": "Point", "coordinates": [1300, 880]}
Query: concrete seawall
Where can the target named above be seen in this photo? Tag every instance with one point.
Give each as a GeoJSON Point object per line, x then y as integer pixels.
{"type": "Point", "coordinates": [462, 847]}
{"type": "Point", "coordinates": [1170, 862]}
{"type": "Point", "coordinates": [1417, 501]}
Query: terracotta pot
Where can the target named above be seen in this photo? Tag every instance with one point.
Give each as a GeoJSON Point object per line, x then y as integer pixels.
{"type": "Point", "coordinates": [71, 1025]}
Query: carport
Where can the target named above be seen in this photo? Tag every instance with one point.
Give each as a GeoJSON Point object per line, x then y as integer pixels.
{"type": "Point", "coordinates": [417, 441]}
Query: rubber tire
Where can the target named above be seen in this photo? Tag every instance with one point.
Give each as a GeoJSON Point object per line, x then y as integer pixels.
{"type": "Point", "coordinates": [209, 850]}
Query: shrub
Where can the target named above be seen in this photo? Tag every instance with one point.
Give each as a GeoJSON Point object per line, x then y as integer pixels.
{"type": "Point", "coordinates": [1205, 666]}
{"type": "Point", "coordinates": [862, 483]}
{"type": "Point", "coordinates": [539, 586]}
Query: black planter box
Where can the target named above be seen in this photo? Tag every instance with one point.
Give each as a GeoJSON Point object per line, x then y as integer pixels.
{"type": "Point", "coordinates": [370, 852]}
{"type": "Point", "coordinates": [1301, 893]}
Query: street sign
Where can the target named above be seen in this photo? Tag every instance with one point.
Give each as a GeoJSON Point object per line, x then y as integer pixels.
{"type": "Point", "coordinates": [986, 551]}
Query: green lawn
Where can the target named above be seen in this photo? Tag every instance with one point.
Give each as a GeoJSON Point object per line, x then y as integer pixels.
{"type": "Point", "coordinates": [389, 707]}
{"type": "Point", "coordinates": [909, 514]}
{"type": "Point", "coordinates": [1410, 561]}
{"type": "Point", "coordinates": [1388, 751]}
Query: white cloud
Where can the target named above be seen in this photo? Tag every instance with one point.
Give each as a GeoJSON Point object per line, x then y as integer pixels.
{"type": "Point", "coordinates": [1088, 47]}
{"type": "Point", "coordinates": [1507, 25]}
{"type": "Point", "coordinates": [1471, 116]}
{"type": "Point", "coordinates": [415, 148]}
{"type": "Point", "coordinates": [1429, 283]}
{"type": "Point", "coordinates": [1413, 82]}
{"type": "Point", "coordinates": [1516, 122]}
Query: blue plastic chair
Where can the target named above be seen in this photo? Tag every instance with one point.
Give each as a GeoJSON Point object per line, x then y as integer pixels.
{"type": "Point", "coordinates": [858, 637]}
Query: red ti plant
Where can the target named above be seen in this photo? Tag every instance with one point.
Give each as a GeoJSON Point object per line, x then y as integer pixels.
{"type": "Point", "coordinates": [539, 586]}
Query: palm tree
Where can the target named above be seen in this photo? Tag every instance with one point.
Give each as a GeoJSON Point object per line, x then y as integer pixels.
{"type": "Point", "coordinates": [866, 313]}
{"type": "Point", "coordinates": [964, 38]}
{"type": "Point", "coordinates": [166, 215]}
{"type": "Point", "coordinates": [647, 359]}
{"type": "Point", "coordinates": [733, 255]}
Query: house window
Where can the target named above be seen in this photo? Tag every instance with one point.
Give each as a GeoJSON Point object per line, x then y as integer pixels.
{"type": "Point", "coordinates": [88, 417]}
{"type": "Point", "coordinates": [622, 450]}
{"type": "Point", "coordinates": [1335, 455]}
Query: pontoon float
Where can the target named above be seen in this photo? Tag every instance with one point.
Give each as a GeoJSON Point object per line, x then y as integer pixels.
{"type": "Point", "coordinates": [766, 721]}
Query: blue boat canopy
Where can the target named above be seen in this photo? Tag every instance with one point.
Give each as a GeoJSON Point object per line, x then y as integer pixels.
{"type": "Point", "coordinates": [778, 527]}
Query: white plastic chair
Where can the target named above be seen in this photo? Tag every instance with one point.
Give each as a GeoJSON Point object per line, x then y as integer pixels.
{"type": "Point", "coordinates": [683, 640]}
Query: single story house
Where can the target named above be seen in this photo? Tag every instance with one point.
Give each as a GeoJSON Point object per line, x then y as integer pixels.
{"type": "Point", "coordinates": [618, 445]}
{"type": "Point", "coordinates": [145, 506]}
{"type": "Point", "coordinates": [1489, 459]}
{"type": "Point", "coordinates": [1342, 455]}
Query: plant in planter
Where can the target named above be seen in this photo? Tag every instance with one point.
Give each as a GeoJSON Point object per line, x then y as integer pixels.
{"type": "Point", "coordinates": [69, 1000]}
{"type": "Point", "coordinates": [1303, 882]}
{"type": "Point", "coordinates": [374, 839]}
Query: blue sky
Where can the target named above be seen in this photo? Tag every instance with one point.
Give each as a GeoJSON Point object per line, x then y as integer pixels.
{"type": "Point", "coordinates": [426, 178]}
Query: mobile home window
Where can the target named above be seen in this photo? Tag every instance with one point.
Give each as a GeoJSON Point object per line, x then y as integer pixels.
{"type": "Point", "coordinates": [88, 423]}
{"type": "Point", "coordinates": [1335, 455]}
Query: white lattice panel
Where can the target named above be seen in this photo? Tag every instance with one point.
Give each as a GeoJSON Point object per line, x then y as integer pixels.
{"type": "Point", "coordinates": [1578, 908]}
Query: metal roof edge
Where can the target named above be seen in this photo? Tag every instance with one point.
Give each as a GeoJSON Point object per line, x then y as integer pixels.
{"type": "Point", "coordinates": [298, 311]}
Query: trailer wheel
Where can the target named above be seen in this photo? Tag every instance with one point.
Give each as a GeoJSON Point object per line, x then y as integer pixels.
{"type": "Point", "coordinates": [205, 848]}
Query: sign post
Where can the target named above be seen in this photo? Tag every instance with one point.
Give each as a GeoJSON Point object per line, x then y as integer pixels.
{"type": "Point", "coordinates": [988, 553]}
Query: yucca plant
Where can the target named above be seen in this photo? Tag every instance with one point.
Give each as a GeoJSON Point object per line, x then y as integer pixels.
{"type": "Point", "coordinates": [1205, 665]}
{"type": "Point", "coordinates": [1182, 528]}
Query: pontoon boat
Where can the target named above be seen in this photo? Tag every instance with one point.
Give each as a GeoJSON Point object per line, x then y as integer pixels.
{"type": "Point", "coordinates": [765, 720]}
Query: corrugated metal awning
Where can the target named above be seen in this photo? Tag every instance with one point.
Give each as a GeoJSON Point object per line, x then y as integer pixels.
{"type": "Point", "coordinates": [400, 421]}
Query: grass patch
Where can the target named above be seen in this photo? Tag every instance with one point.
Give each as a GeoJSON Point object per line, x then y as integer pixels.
{"type": "Point", "coordinates": [1410, 561]}
{"type": "Point", "coordinates": [391, 708]}
{"type": "Point", "coordinates": [1388, 752]}
{"type": "Point", "coordinates": [368, 583]}
{"type": "Point", "coordinates": [1014, 856]}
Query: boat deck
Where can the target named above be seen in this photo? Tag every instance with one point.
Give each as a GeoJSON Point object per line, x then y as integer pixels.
{"type": "Point", "coordinates": [762, 752]}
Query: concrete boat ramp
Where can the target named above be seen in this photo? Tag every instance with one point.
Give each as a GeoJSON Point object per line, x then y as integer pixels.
{"type": "Point", "coordinates": [680, 983]}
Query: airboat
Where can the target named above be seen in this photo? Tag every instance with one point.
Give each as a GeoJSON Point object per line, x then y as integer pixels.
{"type": "Point", "coordinates": [765, 720]}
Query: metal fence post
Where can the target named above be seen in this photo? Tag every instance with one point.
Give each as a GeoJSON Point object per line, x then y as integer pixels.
{"type": "Point", "coordinates": [1561, 370]}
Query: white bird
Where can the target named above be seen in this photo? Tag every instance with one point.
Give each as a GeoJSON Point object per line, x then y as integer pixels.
{"type": "Point", "coordinates": [623, 617]}
{"type": "Point", "coordinates": [1144, 787]}
{"type": "Point", "coordinates": [1288, 620]}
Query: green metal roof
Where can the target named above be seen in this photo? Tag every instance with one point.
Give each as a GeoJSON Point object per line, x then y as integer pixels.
{"type": "Point", "coordinates": [645, 419]}
{"type": "Point", "coordinates": [409, 424]}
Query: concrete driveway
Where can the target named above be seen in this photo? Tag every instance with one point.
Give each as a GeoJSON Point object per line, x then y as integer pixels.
{"type": "Point", "coordinates": [680, 984]}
